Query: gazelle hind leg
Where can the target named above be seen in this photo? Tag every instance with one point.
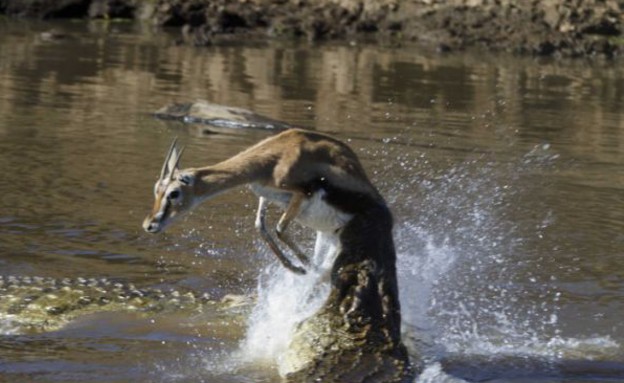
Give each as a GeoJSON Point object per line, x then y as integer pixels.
{"type": "Point", "coordinates": [261, 226]}
{"type": "Point", "coordinates": [292, 211]}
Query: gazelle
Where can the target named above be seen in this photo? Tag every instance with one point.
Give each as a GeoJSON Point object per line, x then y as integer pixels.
{"type": "Point", "coordinates": [306, 173]}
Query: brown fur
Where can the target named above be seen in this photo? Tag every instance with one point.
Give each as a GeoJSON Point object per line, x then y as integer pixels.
{"type": "Point", "coordinates": [292, 161]}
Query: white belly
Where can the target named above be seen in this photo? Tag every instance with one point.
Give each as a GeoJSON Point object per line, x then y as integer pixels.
{"type": "Point", "coordinates": [315, 212]}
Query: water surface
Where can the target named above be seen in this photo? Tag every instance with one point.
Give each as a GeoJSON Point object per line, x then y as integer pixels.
{"type": "Point", "coordinates": [505, 174]}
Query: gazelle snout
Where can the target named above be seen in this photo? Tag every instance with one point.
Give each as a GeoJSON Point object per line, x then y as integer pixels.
{"type": "Point", "coordinates": [151, 225]}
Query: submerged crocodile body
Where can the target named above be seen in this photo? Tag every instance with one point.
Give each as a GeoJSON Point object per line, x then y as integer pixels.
{"type": "Point", "coordinates": [37, 304]}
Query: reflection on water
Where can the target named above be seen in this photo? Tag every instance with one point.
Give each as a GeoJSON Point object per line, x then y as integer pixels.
{"type": "Point", "coordinates": [506, 176]}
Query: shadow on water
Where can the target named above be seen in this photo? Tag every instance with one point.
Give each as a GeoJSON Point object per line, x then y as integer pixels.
{"type": "Point", "coordinates": [505, 176]}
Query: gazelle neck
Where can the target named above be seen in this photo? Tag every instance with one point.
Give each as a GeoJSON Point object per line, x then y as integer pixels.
{"type": "Point", "coordinates": [237, 171]}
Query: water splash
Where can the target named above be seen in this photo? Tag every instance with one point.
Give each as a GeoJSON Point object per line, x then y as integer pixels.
{"type": "Point", "coordinates": [285, 299]}
{"type": "Point", "coordinates": [457, 260]}
{"type": "Point", "coordinates": [469, 268]}
{"type": "Point", "coordinates": [434, 373]}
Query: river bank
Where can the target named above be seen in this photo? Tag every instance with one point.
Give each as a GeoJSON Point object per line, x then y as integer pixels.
{"type": "Point", "coordinates": [544, 28]}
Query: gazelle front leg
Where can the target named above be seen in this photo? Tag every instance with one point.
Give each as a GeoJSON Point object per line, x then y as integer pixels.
{"type": "Point", "coordinates": [292, 211]}
{"type": "Point", "coordinates": [261, 226]}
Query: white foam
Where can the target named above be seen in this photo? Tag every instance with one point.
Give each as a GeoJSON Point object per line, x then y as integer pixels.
{"type": "Point", "coordinates": [435, 374]}
{"type": "Point", "coordinates": [285, 299]}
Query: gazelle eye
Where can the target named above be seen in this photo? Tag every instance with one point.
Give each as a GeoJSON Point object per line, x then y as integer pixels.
{"type": "Point", "coordinates": [174, 194]}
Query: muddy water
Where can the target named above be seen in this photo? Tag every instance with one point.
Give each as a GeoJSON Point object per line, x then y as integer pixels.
{"type": "Point", "coordinates": [506, 176]}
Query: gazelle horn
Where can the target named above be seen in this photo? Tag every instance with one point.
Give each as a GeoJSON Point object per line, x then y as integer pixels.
{"type": "Point", "coordinates": [178, 155]}
{"type": "Point", "coordinates": [163, 172]}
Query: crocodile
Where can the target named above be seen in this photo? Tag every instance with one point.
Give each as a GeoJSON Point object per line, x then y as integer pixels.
{"type": "Point", "coordinates": [41, 304]}
{"type": "Point", "coordinates": [356, 336]}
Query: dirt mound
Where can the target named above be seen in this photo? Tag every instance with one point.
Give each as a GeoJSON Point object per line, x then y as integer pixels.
{"type": "Point", "coordinates": [540, 27]}
{"type": "Point", "coordinates": [569, 28]}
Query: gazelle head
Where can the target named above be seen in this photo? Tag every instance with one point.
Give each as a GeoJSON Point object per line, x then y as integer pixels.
{"type": "Point", "coordinates": [173, 193]}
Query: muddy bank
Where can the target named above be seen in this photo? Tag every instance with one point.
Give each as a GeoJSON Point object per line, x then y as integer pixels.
{"type": "Point", "coordinates": [561, 27]}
